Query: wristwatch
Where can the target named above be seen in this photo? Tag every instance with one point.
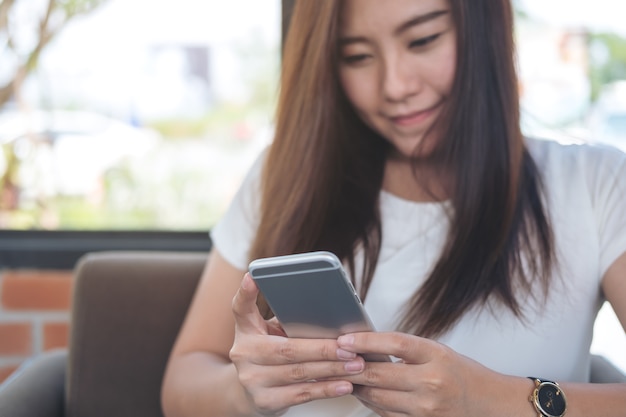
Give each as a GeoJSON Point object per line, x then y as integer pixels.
{"type": "Point", "coordinates": [548, 398]}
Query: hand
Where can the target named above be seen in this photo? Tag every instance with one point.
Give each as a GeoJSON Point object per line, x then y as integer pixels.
{"type": "Point", "coordinates": [430, 380]}
{"type": "Point", "coordinates": [278, 372]}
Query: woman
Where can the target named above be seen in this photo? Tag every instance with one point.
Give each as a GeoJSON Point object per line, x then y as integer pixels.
{"type": "Point", "coordinates": [482, 256]}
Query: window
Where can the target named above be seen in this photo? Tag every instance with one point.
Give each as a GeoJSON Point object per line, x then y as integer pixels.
{"type": "Point", "coordinates": [572, 64]}
{"type": "Point", "coordinates": [139, 115]}
{"type": "Point", "coordinates": [136, 124]}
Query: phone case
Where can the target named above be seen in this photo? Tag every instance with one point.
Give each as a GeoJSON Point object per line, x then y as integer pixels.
{"type": "Point", "coordinates": [310, 295]}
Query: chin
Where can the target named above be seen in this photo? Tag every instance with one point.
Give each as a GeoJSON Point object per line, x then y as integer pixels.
{"type": "Point", "coordinates": [417, 147]}
{"type": "Point", "coordinates": [412, 150]}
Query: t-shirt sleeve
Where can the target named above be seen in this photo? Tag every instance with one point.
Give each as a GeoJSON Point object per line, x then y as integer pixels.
{"type": "Point", "coordinates": [234, 232]}
{"type": "Point", "coordinates": [610, 189]}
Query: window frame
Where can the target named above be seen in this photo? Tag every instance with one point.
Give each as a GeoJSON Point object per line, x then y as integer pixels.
{"type": "Point", "coordinates": [60, 249]}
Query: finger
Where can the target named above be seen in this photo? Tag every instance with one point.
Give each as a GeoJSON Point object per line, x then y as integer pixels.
{"type": "Point", "coordinates": [387, 375]}
{"type": "Point", "coordinates": [283, 350]}
{"type": "Point", "coordinates": [246, 313]}
{"type": "Point", "coordinates": [281, 398]}
{"type": "Point", "coordinates": [409, 348]}
{"type": "Point", "coordinates": [384, 402]}
{"type": "Point", "coordinates": [312, 371]}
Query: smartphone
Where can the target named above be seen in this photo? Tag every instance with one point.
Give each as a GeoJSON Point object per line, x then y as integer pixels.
{"type": "Point", "coordinates": [311, 296]}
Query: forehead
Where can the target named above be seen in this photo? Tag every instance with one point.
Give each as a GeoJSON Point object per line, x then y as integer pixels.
{"type": "Point", "coordinates": [377, 15]}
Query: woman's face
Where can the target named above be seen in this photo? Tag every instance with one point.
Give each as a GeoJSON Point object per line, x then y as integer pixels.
{"type": "Point", "coordinates": [397, 60]}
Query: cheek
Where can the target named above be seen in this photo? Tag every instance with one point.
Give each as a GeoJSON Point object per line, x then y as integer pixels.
{"type": "Point", "coordinates": [439, 68]}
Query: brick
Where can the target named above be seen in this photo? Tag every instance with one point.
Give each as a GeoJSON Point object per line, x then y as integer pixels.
{"type": "Point", "coordinates": [55, 335]}
{"type": "Point", "coordinates": [36, 290]}
{"type": "Point", "coordinates": [6, 371]}
{"type": "Point", "coordinates": [16, 339]}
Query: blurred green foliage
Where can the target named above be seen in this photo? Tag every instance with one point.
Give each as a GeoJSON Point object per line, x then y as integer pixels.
{"type": "Point", "coordinates": [43, 25]}
{"type": "Point", "coordinates": [608, 60]}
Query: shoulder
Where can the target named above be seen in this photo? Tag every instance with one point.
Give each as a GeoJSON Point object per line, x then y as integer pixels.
{"type": "Point", "coordinates": [250, 184]}
{"type": "Point", "coordinates": [234, 232]}
{"type": "Point", "coordinates": [256, 167]}
{"type": "Point", "coordinates": [589, 161]}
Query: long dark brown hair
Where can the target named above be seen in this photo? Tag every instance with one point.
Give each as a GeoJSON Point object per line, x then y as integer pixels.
{"type": "Point", "coordinates": [324, 171]}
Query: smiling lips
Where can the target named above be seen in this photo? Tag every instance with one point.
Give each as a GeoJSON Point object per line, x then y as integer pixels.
{"type": "Point", "coordinates": [411, 119]}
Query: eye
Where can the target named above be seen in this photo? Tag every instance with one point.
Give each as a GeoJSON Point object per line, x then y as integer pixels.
{"type": "Point", "coordinates": [424, 41]}
{"type": "Point", "coordinates": [355, 59]}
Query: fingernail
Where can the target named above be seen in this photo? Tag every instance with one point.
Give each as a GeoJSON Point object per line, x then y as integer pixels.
{"type": "Point", "coordinates": [344, 354]}
{"type": "Point", "coordinates": [354, 366]}
{"type": "Point", "coordinates": [343, 389]}
{"type": "Point", "coordinates": [346, 340]}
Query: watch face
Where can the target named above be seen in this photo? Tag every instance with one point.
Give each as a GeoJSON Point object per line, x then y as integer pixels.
{"type": "Point", "coordinates": [551, 399]}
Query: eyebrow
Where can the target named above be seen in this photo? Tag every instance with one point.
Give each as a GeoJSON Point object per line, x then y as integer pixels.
{"type": "Point", "coordinates": [418, 20]}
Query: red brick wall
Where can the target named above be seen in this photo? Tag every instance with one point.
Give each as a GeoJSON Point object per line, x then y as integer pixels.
{"type": "Point", "coordinates": [34, 314]}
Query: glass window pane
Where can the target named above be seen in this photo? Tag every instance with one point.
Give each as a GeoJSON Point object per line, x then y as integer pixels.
{"type": "Point", "coordinates": [140, 114]}
{"type": "Point", "coordinates": [572, 61]}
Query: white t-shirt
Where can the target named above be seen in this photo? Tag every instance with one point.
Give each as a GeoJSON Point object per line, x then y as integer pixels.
{"type": "Point", "coordinates": [586, 189]}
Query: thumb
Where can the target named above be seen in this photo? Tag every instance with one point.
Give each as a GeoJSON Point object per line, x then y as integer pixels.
{"type": "Point", "coordinates": [248, 319]}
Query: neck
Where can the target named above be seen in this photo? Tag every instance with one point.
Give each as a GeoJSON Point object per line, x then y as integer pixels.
{"type": "Point", "coordinates": [417, 180]}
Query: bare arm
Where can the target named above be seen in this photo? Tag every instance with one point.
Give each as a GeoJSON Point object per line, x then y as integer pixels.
{"type": "Point", "coordinates": [614, 287]}
{"type": "Point", "coordinates": [199, 377]}
{"type": "Point", "coordinates": [603, 399]}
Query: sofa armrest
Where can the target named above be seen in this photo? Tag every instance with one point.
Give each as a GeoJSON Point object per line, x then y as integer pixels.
{"type": "Point", "coordinates": [603, 371]}
{"type": "Point", "coordinates": [37, 388]}
{"type": "Point", "coordinates": [128, 308]}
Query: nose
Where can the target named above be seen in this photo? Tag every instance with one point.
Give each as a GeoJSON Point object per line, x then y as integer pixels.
{"type": "Point", "coordinates": [400, 80]}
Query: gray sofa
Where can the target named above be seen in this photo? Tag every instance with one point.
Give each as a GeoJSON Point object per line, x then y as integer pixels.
{"type": "Point", "coordinates": [127, 309]}
{"type": "Point", "coordinates": [126, 312]}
